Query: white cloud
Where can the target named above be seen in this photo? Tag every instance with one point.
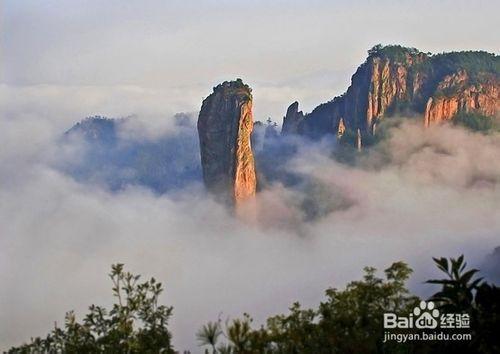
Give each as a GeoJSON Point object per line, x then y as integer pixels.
{"type": "Point", "coordinates": [437, 195]}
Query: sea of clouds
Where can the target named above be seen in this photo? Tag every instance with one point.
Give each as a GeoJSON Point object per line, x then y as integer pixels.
{"type": "Point", "coordinates": [420, 193]}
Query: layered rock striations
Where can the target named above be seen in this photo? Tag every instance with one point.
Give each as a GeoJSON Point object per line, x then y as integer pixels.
{"type": "Point", "coordinates": [396, 80]}
{"type": "Point", "coordinates": [458, 93]}
{"type": "Point", "coordinates": [225, 125]}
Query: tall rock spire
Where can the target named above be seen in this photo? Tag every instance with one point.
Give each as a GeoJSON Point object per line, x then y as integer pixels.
{"type": "Point", "coordinates": [225, 125]}
{"type": "Point", "coordinates": [292, 119]}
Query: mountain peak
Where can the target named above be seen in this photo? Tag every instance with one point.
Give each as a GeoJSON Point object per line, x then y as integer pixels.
{"type": "Point", "coordinates": [225, 124]}
{"type": "Point", "coordinates": [396, 80]}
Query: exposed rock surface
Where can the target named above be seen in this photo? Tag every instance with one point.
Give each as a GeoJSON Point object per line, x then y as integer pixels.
{"type": "Point", "coordinates": [396, 80]}
{"type": "Point", "coordinates": [341, 128]}
{"type": "Point", "coordinates": [225, 126]}
{"type": "Point", "coordinates": [375, 87]}
{"type": "Point", "coordinates": [456, 93]}
{"type": "Point", "coordinates": [292, 119]}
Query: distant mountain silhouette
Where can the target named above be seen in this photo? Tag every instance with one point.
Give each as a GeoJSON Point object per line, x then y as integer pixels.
{"type": "Point", "coordinates": [108, 158]}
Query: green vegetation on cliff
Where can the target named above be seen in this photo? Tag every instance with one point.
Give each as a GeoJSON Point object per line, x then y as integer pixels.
{"type": "Point", "coordinates": [235, 88]}
{"type": "Point", "coordinates": [477, 122]}
{"type": "Point", "coordinates": [471, 61]}
{"type": "Point", "coordinates": [399, 81]}
{"type": "Point", "coordinates": [442, 63]}
{"type": "Point", "coordinates": [135, 324]}
{"type": "Point", "coordinates": [396, 53]}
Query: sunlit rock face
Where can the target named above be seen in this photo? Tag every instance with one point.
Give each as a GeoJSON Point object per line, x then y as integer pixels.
{"type": "Point", "coordinates": [458, 93]}
{"type": "Point", "coordinates": [383, 80]}
{"type": "Point", "coordinates": [225, 126]}
{"type": "Point", "coordinates": [399, 81]}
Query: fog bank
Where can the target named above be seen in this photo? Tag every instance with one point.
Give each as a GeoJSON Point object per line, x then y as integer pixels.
{"type": "Point", "coordinates": [421, 193]}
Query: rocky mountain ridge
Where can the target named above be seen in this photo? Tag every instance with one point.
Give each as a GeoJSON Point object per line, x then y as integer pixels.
{"type": "Point", "coordinates": [395, 80]}
{"type": "Point", "coordinates": [463, 87]}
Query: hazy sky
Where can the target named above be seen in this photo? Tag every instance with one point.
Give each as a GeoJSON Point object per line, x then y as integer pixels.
{"type": "Point", "coordinates": [165, 56]}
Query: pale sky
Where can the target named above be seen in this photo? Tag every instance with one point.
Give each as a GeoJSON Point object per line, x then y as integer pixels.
{"type": "Point", "coordinates": [165, 56]}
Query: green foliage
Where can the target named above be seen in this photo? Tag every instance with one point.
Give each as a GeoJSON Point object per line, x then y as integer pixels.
{"type": "Point", "coordinates": [456, 295]}
{"type": "Point", "coordinates": [471, 61]}
{"type": "Point", "coordinates": [461, 293]}
{"type": "Point", "coordinates": [381, 131]}
{"type": "Point", "coordinates": [394, 52]}
{"type": "Point", "coordinates": [135, 324]}
{"type": "Point", "coordinates": [235, 88]}
{"type": "Point", "coordinates": [476, 63]}
{"type": "Point", "coordinates": [209, 335]}
{"type": "Point", "coordinates": [477, 122]}
{"type": "Point", "coordinates": [349, 321]}
{"type": "Point", "coordinates": [479, 66]}
{"type": "Point", "coordinates": [238, 334]}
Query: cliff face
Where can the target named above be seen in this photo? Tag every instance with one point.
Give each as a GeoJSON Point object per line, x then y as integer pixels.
{"type": "Point", "coordinates": [292, 119]}
{"type": "Point", "coordinates": [389, 82]}
{"type": "Point", "coordinates": [397, 80]}
{"type": "Point", "coordinates": [376, 87]}
{"type": "Point", "coordinates": [225, 125]}
{"type": "Point", "coordinates": [456, 93]}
